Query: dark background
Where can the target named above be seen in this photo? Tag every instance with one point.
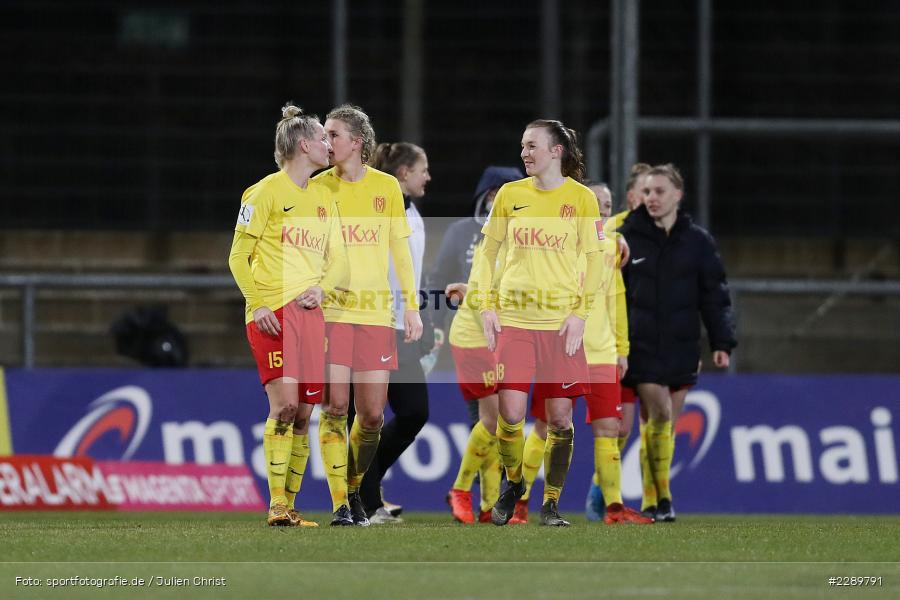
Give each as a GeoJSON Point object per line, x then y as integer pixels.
{"type": "Point", "coordinates": [156, 116]}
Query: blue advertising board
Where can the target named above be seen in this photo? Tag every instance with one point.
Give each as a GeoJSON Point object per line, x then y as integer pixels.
{"type": "Point", "coordinates": [745, 444]}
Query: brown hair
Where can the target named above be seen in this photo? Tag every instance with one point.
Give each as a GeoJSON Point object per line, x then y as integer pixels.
{"type": "Point", "coordinates": [668, 170]}
{"type": "Point", "coordinates": [390, 157]}
{"type": "Point", "coordinates": [293, 126]}
{"type": "Point", "coordinates": [359, 125]}
{"type": "Point", "coordinates": [572, 158]}
{"type": "Point", "coordinates": [638, 170]}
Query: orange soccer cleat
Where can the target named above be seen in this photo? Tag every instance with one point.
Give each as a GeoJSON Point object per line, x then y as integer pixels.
{"type": "Point", "coordinates": [520, 515]}
{"type": "Point", "coordinates": [460, 502]}
{"type": "Point", "coordinates": [619, 513]}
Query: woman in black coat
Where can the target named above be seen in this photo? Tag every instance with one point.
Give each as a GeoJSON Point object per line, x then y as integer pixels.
{"type": "Point", "coordinates": [675, 278]}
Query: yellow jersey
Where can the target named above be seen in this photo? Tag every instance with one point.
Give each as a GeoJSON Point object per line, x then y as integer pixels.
{"type": "Point", "coordinates": [467, 331]}
{"type": "Point", "coordinates": [606, 328]}
{"type": "Point", "coordinates": [545, 231]}
{"type": "Point", "coordinates": [298, 235]}
{"type": "Point", "coordinates": [372, 215]}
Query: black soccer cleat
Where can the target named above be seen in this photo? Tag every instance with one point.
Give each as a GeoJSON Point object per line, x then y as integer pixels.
{"type": "Point", "coordinates": [342, 517]}
{"type": "Point", "coordinates": [506, 504]}
{"type": "Point", "coordinates": [550, 515]}
{"type": "Point", "coordinates": [649, 512]}
{"type": "Point", "coordinates": [358, 510]}
{"type": "Point", "coordinates": [664, 512]}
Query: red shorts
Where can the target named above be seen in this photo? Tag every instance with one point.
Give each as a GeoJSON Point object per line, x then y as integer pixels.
{"type": "Point", "coordinates": [297, 352]}
{"type": "Point", "coordinates": [476, 371]}
{"type": "Point", "coordinates": [524, 355]}
{"type": "Point", "coordinates": [628, 395]}
{"type": "Point", "coordinates": [361, 347]}
{"type": "Point", "coordinates": [602, 398]}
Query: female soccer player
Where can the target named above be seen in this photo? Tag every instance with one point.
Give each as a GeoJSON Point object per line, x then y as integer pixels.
{"type": "Point", "coordinates": [535, 313]}
{"type": "Point", "coordinates": [606, 347]}
{"type": "Point", "coordinates": [407, 392]}
{"type": "Point", "coordinates": [286, 254]}
{"type": "Point", "coordinates": [674, 279]}
{"type": "Point", "coordinates": [360, 340]}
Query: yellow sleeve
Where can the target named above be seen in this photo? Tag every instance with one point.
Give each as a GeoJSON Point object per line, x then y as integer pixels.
{"type": "Point", "coordinates": [490, 296]}
{"type": "Point", "coordinates": [336, 275]}
{"type": "Point", "coordinates": [256, 205]}
{"type": "Point", "coordinates": [399, 223]}
{"type": "Point", "coordinates": [403, 265]}
{"type": "Point", "coordinates": [239, 262]}
{"type": "Point", "coordinates": [495, 226]}
{"type": "Point", "coordinates": [590, 228]}
{"type": "Point", "coordinates": [619, 312]}
{"type": "Point", "coordinates": [593, 273]}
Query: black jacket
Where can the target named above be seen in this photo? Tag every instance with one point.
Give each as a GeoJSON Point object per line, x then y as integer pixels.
{"type": "Point", "coordinates": [671, 283]}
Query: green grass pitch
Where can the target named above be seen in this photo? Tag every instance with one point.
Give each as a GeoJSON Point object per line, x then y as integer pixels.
{"type": "Point", "coordinates": [429, 556]}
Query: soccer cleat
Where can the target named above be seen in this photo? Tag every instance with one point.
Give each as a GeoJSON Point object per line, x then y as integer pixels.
{"type": "Point", "coordinates": [278, 516]}
{"type": "Point", "coordinates": [593, 505]}
{"type": "Point", "coordinates": [297, 519]}
{"type": "Point", "coordinates": [550, 515]}
{"type": "Point", "coordinates": [342, 517]}
{"type": "Point", "coordinates": [665, 512]}
{"type": "Point", "coordinates": [520, 514]}
{"type": "Point", "coordinates": [506, 503]}
{"type": "Point", "coordinates": [394, 509]}
{"type": "Point", "coordinates": [358, 510]}
{"type": "Point", "coordinates": [382, 516]}
{"type": "Point", "coordinates": [484, 516]}
{"type": "Point", "coordinates": [460, 502]}
{"type": "Point", "coordinates": [618, 513]}
{"type": "Point", "coordinates": [649, 512]}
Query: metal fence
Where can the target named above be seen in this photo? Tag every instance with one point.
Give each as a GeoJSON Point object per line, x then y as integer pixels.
{"type": "Point", "coordinates": [30, 283]}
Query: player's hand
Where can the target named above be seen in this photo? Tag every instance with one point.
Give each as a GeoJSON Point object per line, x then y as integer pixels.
{"type": "Point", "coordinates": [266, 321]}
{"type": "Point", "coordinates": [491, 325]}
{"type": "Point", "coordinates": [573, 329]}
{"type": "Point", "coordinates": [622, 366]}
{"type": "Point", "coordinates": [721, 359]}
{"type": "Point", "coordinates": [624, 250]}
{"type": "Point", "coordinates": [456, 291]}
{"type": "Point", "coordinates": [311, 298]}
{"type": "Point", "coordinates": [412, 326]}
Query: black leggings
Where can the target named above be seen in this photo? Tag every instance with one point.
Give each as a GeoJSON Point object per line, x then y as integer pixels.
{"type": "Point", "coordinates": [408, 398]}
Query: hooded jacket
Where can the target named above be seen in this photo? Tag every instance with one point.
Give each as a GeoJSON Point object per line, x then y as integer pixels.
{"type": "Point", "coordinates": [672, 282]}
{"type": "Point", "coordinates": [454, 259]}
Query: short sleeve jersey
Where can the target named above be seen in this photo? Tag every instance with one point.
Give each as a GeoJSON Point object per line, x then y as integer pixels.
{"type": "Point", "coordinates": [545, 232]}
{"type": "Point", "coordinates": [372, 215]}
{"type": "Point", "coordinates": [296, 229]}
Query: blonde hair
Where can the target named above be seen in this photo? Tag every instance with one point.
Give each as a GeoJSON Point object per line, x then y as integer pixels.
{"type": "Point", "coordinates": [638, 170]}
{"type": "Point", "coordinates": [359, 125]}
{"type": "Point", "coordinates": [293, 126]}
{"type": "Point", "coordinates": [671, 172]}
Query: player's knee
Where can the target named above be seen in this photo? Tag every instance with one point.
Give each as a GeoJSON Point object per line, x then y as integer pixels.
{"type": "Point", "coordinates": [560, 421]}
{"type": "Point", "coordinates": [490, 423]}
{"type": "Point", "coordinates": [369, 420]}
{"type": "Point", "coordinates": [287, 413]}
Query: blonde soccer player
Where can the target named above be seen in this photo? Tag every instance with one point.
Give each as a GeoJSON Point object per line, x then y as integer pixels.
{"type": "Point", "coordinates": [360, 339]}
{"type": "Point", "coordinates": [606, 346]}
{"type": "Point", "coordinates": [534, 314]}
{"type": "Point", "coordinates": [286, 255]}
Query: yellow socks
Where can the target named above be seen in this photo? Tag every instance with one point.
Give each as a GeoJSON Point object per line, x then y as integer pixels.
{"type": "Point", "coordinates": [532, 459]}
{"type": "Point", "coordinates": [557, 458]}
{"type": "Point", "coordinates": [277, 448]}
{"type": "Point", "coordinates": [659, 455]}
{"type": "Point", "coordinates": [622, 440]}
{"type": "Point", "coordinates": [363, 444]}
{"type": "Point", "coordinates": [333, 446]}
{"type": "Point", "coordinates": [482, 443]}
{"type": "Point", "coordinates": [296, 467]}
{"type": "Point", "coordinates": [511, 444]}
{"type": "Point", "coordinates": [648, 483]}
{"type": "Point", "coordinates": [608, 469]}
{"type": "Point", "coordinates": [490, 474]}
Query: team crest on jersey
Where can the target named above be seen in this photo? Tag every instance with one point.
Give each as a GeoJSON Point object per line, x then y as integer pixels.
{"type": "Point", "coordinates": [599, 223]}
{"type": "Point", "coordinates": [322, 214]}
{"type": "Point", "coordinates": [566, 212]}
{"type": "Point", "coordinates": [378, 202]}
